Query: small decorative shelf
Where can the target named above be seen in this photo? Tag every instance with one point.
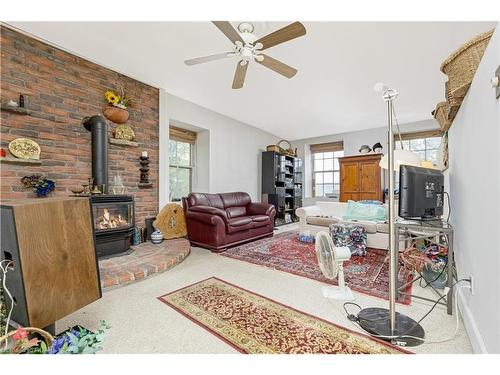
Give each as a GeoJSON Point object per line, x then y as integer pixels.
{"type": "Point", "coordinates": [11, 160]}
{"type": "Point", "coordinates": [123, 142]}
{"type": "Point", "coordinates": [18, 110]}
{"type": "Point", "coordinates": [145, 185]}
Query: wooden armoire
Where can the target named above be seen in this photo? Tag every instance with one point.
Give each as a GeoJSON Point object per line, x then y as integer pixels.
{"type": "Point", "coordinates": [360, 177]}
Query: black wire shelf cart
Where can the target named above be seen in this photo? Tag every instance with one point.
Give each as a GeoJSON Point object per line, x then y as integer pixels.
{"type": "Point", "coordinates": [435, 232]}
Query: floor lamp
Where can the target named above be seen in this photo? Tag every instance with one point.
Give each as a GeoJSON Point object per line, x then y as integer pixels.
{"type": "Point", "coordinates": [383, 323]}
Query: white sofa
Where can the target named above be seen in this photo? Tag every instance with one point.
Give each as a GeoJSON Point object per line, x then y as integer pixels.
{"type": "Point", "coordinates": [319, 217]}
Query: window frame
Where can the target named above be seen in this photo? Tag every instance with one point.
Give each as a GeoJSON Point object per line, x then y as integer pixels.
{"type": "Point", "coordinates": [332, 171]}
{"type": "Point", "coordinates": [189, 167]}
{"type": "Point", "coordinates": [423, 135]}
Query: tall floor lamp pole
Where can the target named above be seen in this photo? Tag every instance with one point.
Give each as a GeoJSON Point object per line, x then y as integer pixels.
{"type": "Point", "coordinates": [383, 323]}
{"type": "Point", "coordinates": [389, 96]}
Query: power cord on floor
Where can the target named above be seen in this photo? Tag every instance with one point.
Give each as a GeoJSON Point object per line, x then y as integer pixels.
{"type": "Point", "coordinates": [4, 268]}
{"type": "Point", "coordinates": [355, 319]}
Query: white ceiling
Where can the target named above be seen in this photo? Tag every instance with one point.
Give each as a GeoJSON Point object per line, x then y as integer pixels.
{"type": "Point", "coordinates": [338, 63]}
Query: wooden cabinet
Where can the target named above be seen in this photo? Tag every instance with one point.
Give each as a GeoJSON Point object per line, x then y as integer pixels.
{"type": "Point", "coordinates": [360, 177]}
{"type": "Point", "coordinates": [49, 244]}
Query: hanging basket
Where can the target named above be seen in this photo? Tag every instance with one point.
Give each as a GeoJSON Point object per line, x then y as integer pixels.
{"type": "Point", "coordinates": [462, 64]}
{"type": "Point", "coordinates": [278, 147]}
{"type": "Point", "coordinates": [440, 114]}
{"type": "Point", "coordinates": [115, 114]}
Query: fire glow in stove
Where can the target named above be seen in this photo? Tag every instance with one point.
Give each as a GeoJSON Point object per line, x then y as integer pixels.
{"type": "Point", "coordinates": [113, 223]}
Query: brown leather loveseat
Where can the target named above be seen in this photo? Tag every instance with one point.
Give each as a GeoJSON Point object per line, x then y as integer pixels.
{"type": "Point", "coordinates": [218, 221]}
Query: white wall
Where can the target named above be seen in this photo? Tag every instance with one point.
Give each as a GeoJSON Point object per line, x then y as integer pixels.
{"type": "Point", "coordinates": [352, 143]}
{"type": "Point", "coordinates": [163, 184]}
{"type": "Point", "coordinates": [474, 184]}
{"type": "Point", "coordinates": [228, 151]}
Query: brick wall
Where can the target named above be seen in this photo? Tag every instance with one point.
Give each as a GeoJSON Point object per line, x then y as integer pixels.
{"type": "Point", "coordinates": [60, 89]}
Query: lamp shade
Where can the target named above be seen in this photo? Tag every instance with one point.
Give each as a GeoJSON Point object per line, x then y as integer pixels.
{"type": "Point", "coordinates": [401, 157]}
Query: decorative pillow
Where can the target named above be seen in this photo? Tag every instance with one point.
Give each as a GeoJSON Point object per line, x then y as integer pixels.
{"type": "Point", "coordinates": [352, 236]}
{"type": "Point", "coordinates": [370, 201]}
{"type": "Point", "coordinates": [363, 211]}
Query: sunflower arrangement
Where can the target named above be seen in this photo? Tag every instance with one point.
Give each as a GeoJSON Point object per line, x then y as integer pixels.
{"type": "Point", "coordinates": [120, 101]}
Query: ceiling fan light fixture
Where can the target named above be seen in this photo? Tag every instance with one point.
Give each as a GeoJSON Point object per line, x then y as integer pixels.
{"type": "Point", "coordinates": [258, 46]}
{"type": "Point", "coordinates": [247, 47]}
{"type": "Point", "coordinates": [245, 27]}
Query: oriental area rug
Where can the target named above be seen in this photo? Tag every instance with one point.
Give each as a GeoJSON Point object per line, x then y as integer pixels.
{"type": "Point", "coordinates": [254, 324]}
{"type": "Point", "coordinates": [284, 252]}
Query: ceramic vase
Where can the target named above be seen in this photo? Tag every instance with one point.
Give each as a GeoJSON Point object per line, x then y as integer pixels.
{"type": "Point", "coordinates": [115, 114]}
{"type": "Point", "coordinates": [157, 237]}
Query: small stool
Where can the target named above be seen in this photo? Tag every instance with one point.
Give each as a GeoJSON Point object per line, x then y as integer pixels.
{"type": "Point", "coordinates": [350, 235]}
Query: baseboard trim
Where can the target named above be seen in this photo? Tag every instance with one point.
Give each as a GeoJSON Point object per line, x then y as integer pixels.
{"type": "Point", "coordinates": [475, 337]}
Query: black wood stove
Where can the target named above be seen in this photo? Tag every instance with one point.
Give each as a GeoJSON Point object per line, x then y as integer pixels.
{"type": "Point", "coordinates": [113, 223]}
{"type": "Point", "coordinates": [113, 214]}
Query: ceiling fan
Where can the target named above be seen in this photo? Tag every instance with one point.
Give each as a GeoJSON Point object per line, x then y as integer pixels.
{"type": "Point", "coordinates": [248, 47]}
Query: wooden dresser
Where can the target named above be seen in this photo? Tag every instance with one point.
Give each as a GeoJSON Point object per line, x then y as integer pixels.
{"type": "Point", "coordinates": [360, 177]}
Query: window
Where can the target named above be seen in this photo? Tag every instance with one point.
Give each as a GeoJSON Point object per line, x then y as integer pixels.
{"type": "Point", "coordinates": [326, 170]}
{"type": "Point", "coordinates": [181, 149]}
{"type": "Point", "coordinates": [425, 144]}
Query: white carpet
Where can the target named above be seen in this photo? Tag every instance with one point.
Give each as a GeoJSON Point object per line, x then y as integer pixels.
{"type": "Point", "coordinates": [142, 324]}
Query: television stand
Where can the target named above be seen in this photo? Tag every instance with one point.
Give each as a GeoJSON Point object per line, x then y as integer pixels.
{"type": "Point", "coordinates": [440, 233]}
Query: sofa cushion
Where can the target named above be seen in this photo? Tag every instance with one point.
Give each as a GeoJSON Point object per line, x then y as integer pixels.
{"type": "Point", "coordinates": [238, 224]}
{"type": "Point", "coordinates": [321, 221]}
{"type": "Point", "coordinates": [370, 226]}
{"type": "Point", "coordinates": [363, 211]}
{"type": "Point", "coordinates": [233, 212]}
{"type": "Point", "coordinates": [260, 220]}
{"type": "Point", "coordinates": [382, 227]}
{"type": "Point", "coordinates": [204, 199]}
{"type": "Point", "coordinates": [238, 199]}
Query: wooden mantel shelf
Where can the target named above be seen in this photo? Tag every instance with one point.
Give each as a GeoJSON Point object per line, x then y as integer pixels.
{"type": "Point", "coordinates": [11, 160]}
{"type": "Point", "coordinates": [18, 110]}
{"type": "Point", "coordinates": [123, 142]}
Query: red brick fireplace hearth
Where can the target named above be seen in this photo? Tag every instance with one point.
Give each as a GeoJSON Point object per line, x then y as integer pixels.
{"type": "Point", "coordinates": [60, 89]}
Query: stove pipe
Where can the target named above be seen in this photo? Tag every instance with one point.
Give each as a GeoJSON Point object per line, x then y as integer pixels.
{"type": "Point", "coordinates": [99, 129]}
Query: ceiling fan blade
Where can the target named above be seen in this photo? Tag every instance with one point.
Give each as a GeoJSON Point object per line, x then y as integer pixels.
{"type": "Point", "coordinates": [292, 31]}
{"type": "Point", "coordinates": [277, 66]}
{"type": "Point", "coordinates": [229, 31]}
{"type": "Point", "coordinates": [239, 76]}
{"type": "Point", "coordinates": [203, 59]}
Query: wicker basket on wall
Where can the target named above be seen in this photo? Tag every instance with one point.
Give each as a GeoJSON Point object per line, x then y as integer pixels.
{"type": "Point", "coordinates": [462, 64]}
{"type": "Point", "coordinates": [284, 150]}
{"type": "Point", "coordinates": [441, 115]}
{"type": "Point", "coordinates": [454, 102]}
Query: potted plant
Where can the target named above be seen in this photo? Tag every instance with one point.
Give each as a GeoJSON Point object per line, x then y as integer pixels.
{"type": "Point", "coordinates": [116, 108]}
{"type": "Point", "coordinates": [40, 185]}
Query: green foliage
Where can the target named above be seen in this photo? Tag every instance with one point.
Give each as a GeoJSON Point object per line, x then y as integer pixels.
{"type": "Point", "coordinates": [84, 341]}
{"type": "Point", "coordinates": [80, 341]}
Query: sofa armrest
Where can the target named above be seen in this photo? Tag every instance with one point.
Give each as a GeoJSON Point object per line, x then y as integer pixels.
{"type": "Point", "coordinates": [205, 218]}
{"type": "Point", "coordinates": [260, 209]}
{"type": "Point", "coordinates": [303, 212]}
{"type": "Point", "coordinates": [210, 211]}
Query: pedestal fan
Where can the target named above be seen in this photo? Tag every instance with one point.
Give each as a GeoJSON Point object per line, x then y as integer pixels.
{"type": "Point", "coordinates": [331, 261]}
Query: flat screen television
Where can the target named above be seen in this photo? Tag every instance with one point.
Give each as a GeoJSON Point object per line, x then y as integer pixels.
{"type": "Point", "coordinates": [421, 192]}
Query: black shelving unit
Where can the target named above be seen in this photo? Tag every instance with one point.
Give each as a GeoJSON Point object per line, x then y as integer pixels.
{"type": "Point", "coordinates": [282, 185]}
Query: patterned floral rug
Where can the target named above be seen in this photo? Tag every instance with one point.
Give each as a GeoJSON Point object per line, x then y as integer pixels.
{"type": "Point", "coordinates": [255, 324]}
{"type": "Point", "coordinates": [284, 252]}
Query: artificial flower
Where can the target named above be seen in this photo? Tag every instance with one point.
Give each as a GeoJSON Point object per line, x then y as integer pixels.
{"type": "Point", "coordinates": [20, 334]}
